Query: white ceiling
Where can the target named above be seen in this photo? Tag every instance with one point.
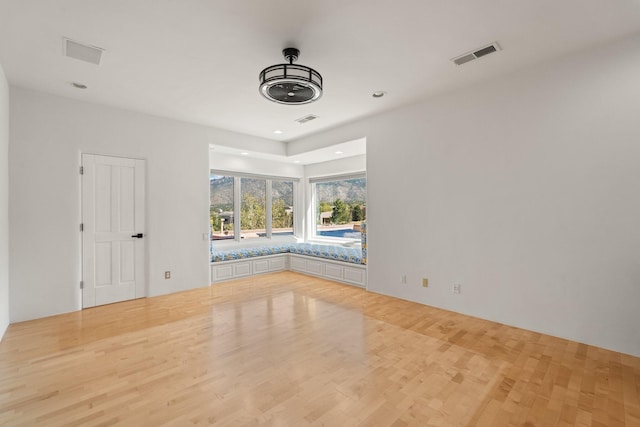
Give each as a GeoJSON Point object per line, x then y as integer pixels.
{"type": "Point", "coordinates": [198, 61]}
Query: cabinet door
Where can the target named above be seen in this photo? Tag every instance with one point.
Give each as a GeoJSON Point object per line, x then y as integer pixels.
{"type": "Point", "coordinates": [276, 264]}
{"type": "Point", "coordinates": [261, 266]}
{"type": "Point", "coordinates": [221, 272]}
{"type": "Point", "coordinates": [242, 269]}
{"type": "Point", "coordinates": [315, 267]}
{"type": "Point", "coordinates": [333, 271]}
{"type": "Point", "coordinates": [298, 264]}
{"type": "Point", "coordinates": [357, 276]}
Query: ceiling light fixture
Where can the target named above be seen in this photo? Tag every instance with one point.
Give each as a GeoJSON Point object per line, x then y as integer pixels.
{"type": "Point", "coordinates": [277, 132]}
{"type": "Point", "coordinates": [379, 94]}
{"type": "Point", "coordinates": [244, 153]}
{"type": "Point", "coordinates": [78, 85]}
{"type": "Point", "coordinates": [290, 84]}
{"type": "Point", "coordinates": [339, 152]}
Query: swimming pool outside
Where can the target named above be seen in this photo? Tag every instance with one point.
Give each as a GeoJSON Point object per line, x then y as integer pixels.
{"type": "Point", "coordinates": [347, 233]}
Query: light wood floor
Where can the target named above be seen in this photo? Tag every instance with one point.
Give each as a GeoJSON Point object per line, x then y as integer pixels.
{"type": "Point", "coordinates": [290, 350]}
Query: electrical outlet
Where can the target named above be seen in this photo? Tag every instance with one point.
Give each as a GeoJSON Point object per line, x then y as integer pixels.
{"type": "Point", "coordinates": [425, 282]}
{"type": "Point", "coordinates": [167, 275]}
{"type": "Point", "coordinates": [456, 288]}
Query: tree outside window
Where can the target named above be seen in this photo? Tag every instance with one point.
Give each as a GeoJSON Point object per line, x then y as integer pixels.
{"type": "Point", "coordinates": [340, 206]}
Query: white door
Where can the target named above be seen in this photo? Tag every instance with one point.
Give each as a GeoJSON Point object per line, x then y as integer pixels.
{"type": "Point", "coordinates": [113, 261]}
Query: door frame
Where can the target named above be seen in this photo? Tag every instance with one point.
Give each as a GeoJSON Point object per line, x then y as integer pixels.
{"type": "Point", "coordinates": [145, 286]}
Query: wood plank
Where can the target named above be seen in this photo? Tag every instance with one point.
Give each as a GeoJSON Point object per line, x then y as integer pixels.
{"type": "Point", "coordinates": [289, 349]}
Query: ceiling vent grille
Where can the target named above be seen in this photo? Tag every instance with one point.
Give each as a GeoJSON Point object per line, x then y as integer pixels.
{"type": "Point", "coordinates": [478, 53]}
{"type": "Point", "coordinates": [82, 52]}
{"type": "Point", "coordinates": [306, 118]}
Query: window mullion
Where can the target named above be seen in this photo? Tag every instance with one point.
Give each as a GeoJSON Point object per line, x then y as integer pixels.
{"type": "Point", "coordinates": [298, 206]}
{"type": "Point", "coordinates": [236, 208]}
{"type": "Point", "coordinates": [269, 203]}
{"type": "Point", "coordinates": [313, 211]}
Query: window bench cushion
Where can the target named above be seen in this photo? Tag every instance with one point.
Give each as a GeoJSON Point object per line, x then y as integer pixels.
{"type": "Point", "coordinates": [242, 253]}
{"type": "Point", "coordinates": [336, 253]}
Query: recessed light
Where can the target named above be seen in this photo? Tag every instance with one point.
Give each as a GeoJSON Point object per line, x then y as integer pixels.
{"type": "Point", "coordinates": [339, 152]}
{"type": "Point", "coordinates": [244, 153]}
{"type": "Point", "coordinates": [296, 161]}
{"type": "Point", "coordinates": [379, 94]}
{"type": "Point", "coordinates": [78, 85]}
{"type": "Point", "coordinates": [277, 131]}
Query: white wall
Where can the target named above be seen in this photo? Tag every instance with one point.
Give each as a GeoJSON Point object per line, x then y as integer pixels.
{"type": "Point", "coordinates": [4, 203]}
{"type": "Point", "coordinates": [347, 165]}
{"type": "Point", "coordinates": [48, 135]}
{"type": "Point", "coordinates": [525, 190]}
{"type": "Point", "coordinates": [249, 165]}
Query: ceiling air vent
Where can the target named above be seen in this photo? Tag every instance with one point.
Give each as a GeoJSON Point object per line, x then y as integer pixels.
{"type": "Point", "coordinates": [83, 52]}
{"type": "Point", "coordinates": [479, 53]}
{"type": "Point", "coordinates": [306, 119]}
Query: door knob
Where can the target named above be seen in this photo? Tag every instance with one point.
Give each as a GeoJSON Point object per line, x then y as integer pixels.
{"type": "Point", "coordinates": [138, 236]}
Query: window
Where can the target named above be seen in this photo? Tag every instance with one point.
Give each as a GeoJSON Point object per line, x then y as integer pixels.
{"type": "Point", "coordinates": [253, 208]}
{"type": "Point", "coordinates": [221, 210]}
{"type": "Point", "coordinates": [340, 205]}
{"type": "Point", "coordinates": [264, 206]}
{"type": "Point", "coordinates": [281, 207]}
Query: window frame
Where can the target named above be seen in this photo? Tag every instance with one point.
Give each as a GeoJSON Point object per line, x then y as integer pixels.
{"type": "Point", "coordinates": [294, 188]}
{"type": "Point", "coordinates": [233, 198]}
{"type": "Point", "coordinates": [313, 206]}
{"type": "Point", "coordinates": [237, 200]}
{"type": "Point", "coordinates": [267, 185]}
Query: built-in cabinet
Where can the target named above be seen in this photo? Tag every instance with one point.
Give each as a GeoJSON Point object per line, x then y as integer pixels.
{"type": "Point", "coordinates": [352, 274]}
{"type": "Point", "coordinates": [227, 270]}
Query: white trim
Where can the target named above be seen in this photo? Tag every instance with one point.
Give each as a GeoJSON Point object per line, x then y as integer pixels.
{"type": "Point", "coordinates": [237, 199]}
{"type": "Point", "coordinates": [268, 208]}
{"type": "Point", "coordinates": [343, 177]}
{"type": "Point", "coordinates": [221, 172]}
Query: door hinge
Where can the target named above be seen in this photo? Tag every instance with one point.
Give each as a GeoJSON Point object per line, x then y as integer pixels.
{"type": "Point", "coordinates": [81, 227]}
{"type": "Point", "coordinates": [81, 170]}
{"type": "Point", "coordinates": [81, 284]}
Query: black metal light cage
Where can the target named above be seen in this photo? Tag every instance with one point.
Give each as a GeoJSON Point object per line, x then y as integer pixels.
{"type": "Point", "coordinates": [291, 74]}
